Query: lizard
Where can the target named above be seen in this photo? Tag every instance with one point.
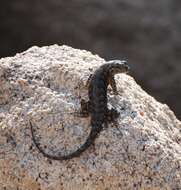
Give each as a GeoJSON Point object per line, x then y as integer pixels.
{"type": "Point", "coordinates": [96, 106]}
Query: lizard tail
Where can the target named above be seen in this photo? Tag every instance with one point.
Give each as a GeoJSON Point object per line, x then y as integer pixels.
{"type": "Point", "coordinates": [89, 141]}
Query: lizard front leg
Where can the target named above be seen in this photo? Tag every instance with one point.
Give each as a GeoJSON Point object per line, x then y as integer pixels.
{"type": "Point", "coordinates": [88, 81]}
{"type": "Point", "coordinates": [85, 105]}
{"type": "Point", "coordinates": [112, 83]}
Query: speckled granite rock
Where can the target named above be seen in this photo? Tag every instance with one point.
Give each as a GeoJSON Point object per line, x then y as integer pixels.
{"type": "Point", "coordinates": [45, 85]}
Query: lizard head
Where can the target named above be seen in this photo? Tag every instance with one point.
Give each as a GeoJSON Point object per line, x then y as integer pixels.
{"type": "Point", "coordinates": [118, 66]}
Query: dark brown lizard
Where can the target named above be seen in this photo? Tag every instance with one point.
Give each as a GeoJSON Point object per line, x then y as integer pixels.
{"type": "Point", "coordinates": [96, 106]}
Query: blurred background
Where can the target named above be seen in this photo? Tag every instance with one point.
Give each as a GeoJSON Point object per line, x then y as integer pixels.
{"type": "Point", "coordinates": [146, 33]}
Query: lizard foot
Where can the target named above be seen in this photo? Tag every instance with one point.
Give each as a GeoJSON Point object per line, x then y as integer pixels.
{"type": "Point", "coordinates": [112, 115]}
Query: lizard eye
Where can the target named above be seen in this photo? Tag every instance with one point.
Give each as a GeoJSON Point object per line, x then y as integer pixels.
{"type": "Point", "coordinates": [112, 71]}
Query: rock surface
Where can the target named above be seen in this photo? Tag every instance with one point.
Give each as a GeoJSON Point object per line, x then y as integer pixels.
{"type": "Point", "coordinates": [44, 85]}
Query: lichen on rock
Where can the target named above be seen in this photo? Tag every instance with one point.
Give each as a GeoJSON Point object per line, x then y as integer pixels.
{"type": "Point", "coordinates": [45, 85]}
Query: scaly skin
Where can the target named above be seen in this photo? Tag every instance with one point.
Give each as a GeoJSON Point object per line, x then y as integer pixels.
{"type": "Point", "coordinates": [96, 106]}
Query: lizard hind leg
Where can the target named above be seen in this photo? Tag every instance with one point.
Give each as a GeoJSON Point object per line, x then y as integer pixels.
{"type": "Point", "coordinates": [112, 115]}
{"type": "Point", "coordinates": [85, 108]}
